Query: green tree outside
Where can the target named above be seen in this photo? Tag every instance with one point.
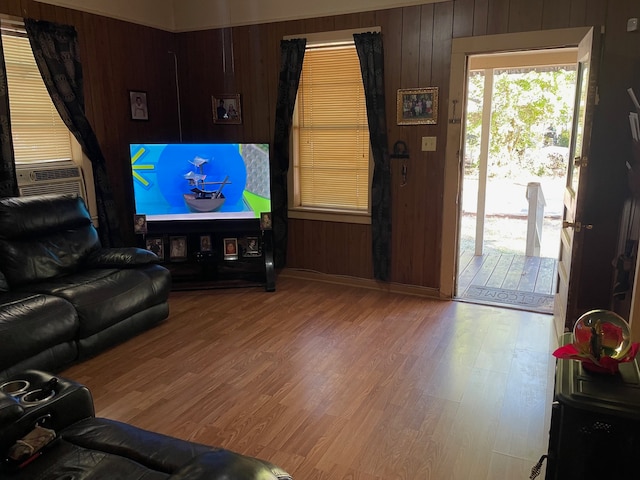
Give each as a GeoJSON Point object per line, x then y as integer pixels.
{"type": "Point", "coordinates": [532, 108]}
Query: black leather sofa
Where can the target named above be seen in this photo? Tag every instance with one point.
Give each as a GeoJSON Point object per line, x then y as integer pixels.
{"type": "Point", "coordinates": [63, 297]}
{"type": "Point", "coordinates": [92, 448]}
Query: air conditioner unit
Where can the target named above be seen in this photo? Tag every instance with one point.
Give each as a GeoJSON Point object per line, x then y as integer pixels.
{"type": "Point", "coordinates": [61, 176]}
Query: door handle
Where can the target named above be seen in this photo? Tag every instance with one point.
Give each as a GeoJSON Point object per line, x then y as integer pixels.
{"type": "Point", "coordinates": [577, 226]}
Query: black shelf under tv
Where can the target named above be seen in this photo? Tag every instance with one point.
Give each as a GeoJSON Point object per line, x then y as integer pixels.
{"type": "Point", "coordinates": [206, 254]}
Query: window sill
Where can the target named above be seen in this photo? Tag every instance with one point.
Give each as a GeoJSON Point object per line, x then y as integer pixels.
{"type": "Point", "coordinates": [330, 215]}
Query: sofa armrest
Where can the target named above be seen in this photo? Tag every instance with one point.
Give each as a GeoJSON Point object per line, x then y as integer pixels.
{"type": "Point", "coordinates": [220, 464]}
{"type": "Point", "coordinates": [69, 403]}
{"type": "Point", "coordinates": [122, 257]}
{"type": "Point", "coordinates": [10, 410]}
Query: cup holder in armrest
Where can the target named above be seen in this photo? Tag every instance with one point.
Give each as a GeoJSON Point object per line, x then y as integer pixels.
{"type": "Point", "coordinates": [15, 387]}
{"type": "Point", "coordinates": [36, 397]}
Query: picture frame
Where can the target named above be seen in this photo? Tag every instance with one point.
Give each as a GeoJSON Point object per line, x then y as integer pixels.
{"type": "Point", "coordinates": [138, 106]}
{"type": "Point", "coordinates": [230, 250]}
{"type": "Point", "coordinates": [417, 106]}
{"type": "Point", "coordinates": [227, 108]}
{"type": "Point", "coordinates": [266, 222]}
{"type": "Point", "coordinates": [178, 247]}
{"type": "Point", "coordinates": [156, 245]}
{"type": "Point", "coordinates": [205, 243]}
{"type": "Point", "coordinates": [140, 224]}
{"type": "Point", "coordinates": [251, 247]}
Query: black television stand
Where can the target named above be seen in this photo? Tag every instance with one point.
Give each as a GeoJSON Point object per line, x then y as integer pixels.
{"type": "Point", "coordinates": [204, 254]}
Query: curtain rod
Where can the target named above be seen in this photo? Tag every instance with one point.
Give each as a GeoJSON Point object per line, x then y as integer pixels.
{"type": "Point", "coordinates": [332, 34]}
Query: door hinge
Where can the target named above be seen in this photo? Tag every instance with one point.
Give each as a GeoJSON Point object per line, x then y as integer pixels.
{"type": "Point", "coordinates": [581, 161]}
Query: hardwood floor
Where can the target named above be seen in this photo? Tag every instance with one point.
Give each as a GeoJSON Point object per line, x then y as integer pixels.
{"type": "Point", "coordinates": [335, 382]}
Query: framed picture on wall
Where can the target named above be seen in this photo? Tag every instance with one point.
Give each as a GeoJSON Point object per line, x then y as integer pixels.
{"type": "Point", "coordinates": [417, 106]}
{"type": "Point", "coordinates": [138, 105]}
{"type": "Point", "coordinates": [227, 108]}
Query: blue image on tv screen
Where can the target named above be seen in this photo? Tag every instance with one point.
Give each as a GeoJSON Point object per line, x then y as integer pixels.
{"type": "Point", "coordinates": [200, 181]}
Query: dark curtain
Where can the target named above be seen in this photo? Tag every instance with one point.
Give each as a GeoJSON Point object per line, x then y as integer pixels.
{"type": "Point", "coordinates": [371, 55]}
{"type": "Point", "coordinates": [55, 48]}
{"type": "Point", "coordinates": [8, 181]}
{"type": "Point", "coordinates": [291, 56]}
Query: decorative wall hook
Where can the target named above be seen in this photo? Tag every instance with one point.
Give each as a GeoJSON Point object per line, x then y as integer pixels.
{"type": "Point", "coordinates": [400, 150]}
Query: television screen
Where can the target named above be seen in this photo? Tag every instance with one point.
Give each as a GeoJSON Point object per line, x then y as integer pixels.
{"type": "Point", "coordinates": [200, 181]}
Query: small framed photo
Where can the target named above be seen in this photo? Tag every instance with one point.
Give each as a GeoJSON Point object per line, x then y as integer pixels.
{"type": "Point", "coordinates": [226, 108]}
{"type": "Point", "coordinates": [156, 245]}
{"type": "Point", "coordinates": [140, 224]}
{"type": "Point", "coordinates": [178, 248]}
{"type": "Point", "coordinates": [138, 105]}
{"type": "Point", "coordinates": [265, 221]}
{"type": "Point", "coordinates": [230, 248]}
{"type": "Point", "coordinates": [251, 247]}
{"type": "Point", "coordinates": [417, 106]}
{"type": "Point", "coordinates": [205, 243]}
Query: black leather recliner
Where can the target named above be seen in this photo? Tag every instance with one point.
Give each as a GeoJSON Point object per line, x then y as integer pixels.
{"type": "Point", "coordinates": [62, 296]}
{"type": "Point", "coordinates": [92, 448]}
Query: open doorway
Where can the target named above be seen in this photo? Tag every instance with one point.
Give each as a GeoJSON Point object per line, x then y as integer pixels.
{"type": "Point", "coordinates": [516, 135]}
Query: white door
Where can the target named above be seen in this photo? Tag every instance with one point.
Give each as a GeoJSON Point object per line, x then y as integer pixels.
{"type": "Point", "coordinates": [575, 219]}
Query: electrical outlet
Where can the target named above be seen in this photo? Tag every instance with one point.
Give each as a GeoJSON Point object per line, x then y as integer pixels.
{"type": "Point", "coordinates": [632, 25]}
{"type": "Point", "coordinates": [429, 144]}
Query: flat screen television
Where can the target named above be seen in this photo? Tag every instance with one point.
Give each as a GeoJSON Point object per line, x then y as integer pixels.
{"type": "Point", "coordinates": [203, 181]}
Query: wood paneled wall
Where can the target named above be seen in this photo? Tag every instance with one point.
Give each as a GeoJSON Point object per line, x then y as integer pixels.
{"type": "Point", "coordinates": [417, 40]}
{"type": "Point", "coordinates": [117, 57]}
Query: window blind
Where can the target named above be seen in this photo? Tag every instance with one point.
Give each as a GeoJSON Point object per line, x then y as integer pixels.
{"type": "Point", "coordinates": [38, 132]}
{"type": "Point", "coordinates": [333, 136]}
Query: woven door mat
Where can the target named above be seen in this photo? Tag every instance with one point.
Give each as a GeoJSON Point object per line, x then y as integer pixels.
{"type": "Point", "coordinates": [530, 300]}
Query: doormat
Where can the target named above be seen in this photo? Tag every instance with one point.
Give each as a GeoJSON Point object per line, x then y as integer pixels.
{"type": "Point", "coordinates": [530, 300]}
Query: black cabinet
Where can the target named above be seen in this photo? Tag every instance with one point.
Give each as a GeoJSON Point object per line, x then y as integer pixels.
{"type": "Point", "coordinates": [595, 423]}
{"type": "Point", "coordinates": [213, 254]}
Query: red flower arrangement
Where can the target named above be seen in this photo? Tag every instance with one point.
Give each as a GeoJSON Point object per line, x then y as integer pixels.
{"type": "Point", "coordinates": [601, 341]}
{"type": "Point", "coordinates": [604, 364]}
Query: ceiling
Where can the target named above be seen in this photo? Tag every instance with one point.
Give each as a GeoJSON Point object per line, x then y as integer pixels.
{"type": "Point", "coordinates": [189, 15]}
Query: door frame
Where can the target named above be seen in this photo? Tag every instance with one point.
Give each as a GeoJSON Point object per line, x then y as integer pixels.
{"type": "Point", "coordinates": [461, 49]}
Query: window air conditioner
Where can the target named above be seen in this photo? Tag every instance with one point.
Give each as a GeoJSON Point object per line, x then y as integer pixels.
{"type": "Point", "coordinates": [50, 177]}
{"type": "Point", "coordinates": [60, 176]}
